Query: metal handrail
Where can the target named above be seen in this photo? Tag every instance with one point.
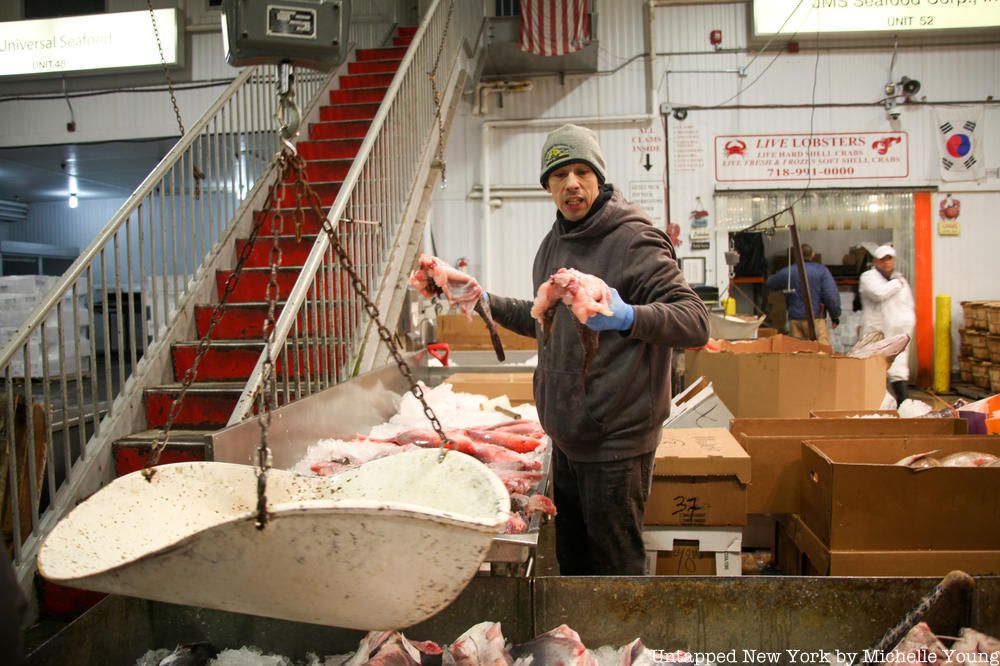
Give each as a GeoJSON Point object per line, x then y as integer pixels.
{"type": "Point", "coordinates": [82, 355]}
{"type": "Point", "coordinates": [318, 336]}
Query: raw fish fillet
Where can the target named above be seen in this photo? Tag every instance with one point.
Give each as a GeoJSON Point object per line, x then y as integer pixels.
{"type": "Point", "coordinates": [434, 277]}
{"type": "Point", "coordinates": [916, 647]}
{"type": "Point", "coordinates": [888, 348]}
{"type": "Point", "coordinates": [968, 459]}
{"type": "Point", "coordinates": [525, 427]}
{"type": "Point", "coordinates": [508, 440]}
{"type": "Point", "coordinates": [481, 645]}
{"type": "Point", "coordinates": [585, 295]}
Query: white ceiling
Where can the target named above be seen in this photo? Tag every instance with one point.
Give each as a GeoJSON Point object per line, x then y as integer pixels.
{"type": "Point", "coordinates": [103, 170]}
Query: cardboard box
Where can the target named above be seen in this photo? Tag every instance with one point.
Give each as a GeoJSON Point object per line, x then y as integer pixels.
{"type": "Point", "coordinates": [698, 407]}
{"type": "Point", "coordinates": [775, 449]}
{"type": "Point", "coordinates": [471, 334]}
{"type": "Point", "coordinates": [855, 498]}
{"type": "Point", "coordinates": [700, 477]}
{"type": "Point", "coordinates": [517, 386]}
{"type": "Point", "coordinates": [693, 551]}
{"type": "Point", "coordinates": [802, 553]}
{"type": "Point", "coordinates": [781, 376]}
{"type": "Point", "coordinates": [854, 413]}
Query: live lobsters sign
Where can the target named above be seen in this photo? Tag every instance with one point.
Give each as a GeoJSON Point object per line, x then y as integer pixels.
{"type": "Point", "coordinates": [837, 156]}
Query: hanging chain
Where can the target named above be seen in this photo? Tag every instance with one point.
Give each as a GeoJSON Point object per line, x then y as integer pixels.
{"type": "Point", "coordinates": [166, 70]}
{"type": "Point", "coordinates": [439, 153]}
{"type": "Point", "coordinates": [265, 400]}
{"type": "Point", "coordinates": [163, 438]}
{"type": "Point", "coordinates": [313, 201]}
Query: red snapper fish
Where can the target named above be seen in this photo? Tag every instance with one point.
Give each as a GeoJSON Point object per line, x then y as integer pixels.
{"type": "Point", "coordinates": [434, 277]}
{"type": "Point", "coordinates": [585, 295]}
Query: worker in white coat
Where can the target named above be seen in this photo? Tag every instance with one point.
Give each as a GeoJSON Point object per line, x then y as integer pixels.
{"type": "Point", "coordinates": [887, 306]}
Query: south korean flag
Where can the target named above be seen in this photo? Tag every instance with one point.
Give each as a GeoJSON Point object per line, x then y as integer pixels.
{"type": "Point", "coordinates": [959, 130]}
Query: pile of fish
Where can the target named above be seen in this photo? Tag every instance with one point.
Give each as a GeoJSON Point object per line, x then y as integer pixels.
{"type": "Point", "coordinates": [585, 295]}
{"type": "Point", "coordinates": [482, 645]}
{"type": "Point", "coordinates": [434, 277]}
{"type": "Point", "coordinates": [926, 460]}
{"type": "Point", "coordinates": [922, 646]}
{"type": "Point", "coordinates": [513, 449]}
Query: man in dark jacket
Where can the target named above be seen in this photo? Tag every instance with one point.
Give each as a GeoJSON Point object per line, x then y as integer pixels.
{"type": "Point", "coordinates": [606, 428]}
{"type": "Point", "coordinates": [822, 292]}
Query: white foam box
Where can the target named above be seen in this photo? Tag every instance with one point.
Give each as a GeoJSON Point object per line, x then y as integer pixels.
{"type": "Point", "coordinates": [693, 551]}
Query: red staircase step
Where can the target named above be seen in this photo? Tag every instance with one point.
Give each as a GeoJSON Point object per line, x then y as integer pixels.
{"type": "Point", "coordinates": [206, 405]}
{"type": "Point", "coordinates": [353, 81]}
{"type": "Point", "coordinates": [245, 321]}
{"type": "Point", "coordinates": [331, 149]}
{"type": "Point", "coordinates": [402, 41]}
{"type": "Point", "coordinates": [327, 193]}
{"type": "Point", "coordinates": [358, 95]}
{"type": "Point", "coordinates": [252, 284]}
{"type": "Point", "coordinates": [407, 30]}
{"type": "Point", "coordinates": [131, 453]}
{"type": "Point", "coordinates": [373, 67]}
{"type": "Point", "coordinates": [232, 360]}
{"type": "Point", "coordinates": [386, 53]}
{"type": "Point", "coordinates": [340, 129]}
{"type": "Point", "coordinates": [347, 112]}
{"type": "Point", "coordinates": [310, 222]}
{"type": "Point", "coordinates": [293, 252]}
{"type": "Point", "coordinates": [324, 171]}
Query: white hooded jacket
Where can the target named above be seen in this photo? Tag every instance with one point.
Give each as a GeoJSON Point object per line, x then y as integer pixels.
{"type": "Point", "coordinates": [887, 306]}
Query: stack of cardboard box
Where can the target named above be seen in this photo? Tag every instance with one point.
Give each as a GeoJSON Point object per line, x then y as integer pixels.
{"type": "Point", "coordinates": [843, 507]}
{"type": "Point", "coordinates": [698, 505]}
{"type": "Point", "coordinates": [979, 358]}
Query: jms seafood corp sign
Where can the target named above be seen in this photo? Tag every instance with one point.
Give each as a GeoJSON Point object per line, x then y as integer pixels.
{"type": "Point", "coordinates": [815, 157]}
{"type": "Point", "coordinates": [830, 17]}
{"type": "Point", "coordinates": [85, 43]}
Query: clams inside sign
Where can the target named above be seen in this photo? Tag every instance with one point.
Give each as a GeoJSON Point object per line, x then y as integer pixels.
{"type": "Point", "coordinates": [812, 157]}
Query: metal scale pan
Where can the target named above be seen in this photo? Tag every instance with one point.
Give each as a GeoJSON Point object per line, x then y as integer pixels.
{"type": "Point", "coordinates": [383, 546]}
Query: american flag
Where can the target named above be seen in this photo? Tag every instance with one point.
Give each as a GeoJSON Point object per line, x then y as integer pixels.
{"type": "Point", "coordinates": [554, 27]}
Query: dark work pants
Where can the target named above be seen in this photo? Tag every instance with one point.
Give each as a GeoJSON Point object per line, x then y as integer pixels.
{"type": "Point", "coordinates": [600, 509]}
{"type": "Point", "coordinates": [13, 608]}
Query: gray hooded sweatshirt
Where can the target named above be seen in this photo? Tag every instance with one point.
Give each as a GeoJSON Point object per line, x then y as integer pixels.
{"type": "Point", "coordinates": [619, 410]}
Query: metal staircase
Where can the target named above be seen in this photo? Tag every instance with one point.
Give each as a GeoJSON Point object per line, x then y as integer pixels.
{"type": "Point", "coordinates": [375, 132]}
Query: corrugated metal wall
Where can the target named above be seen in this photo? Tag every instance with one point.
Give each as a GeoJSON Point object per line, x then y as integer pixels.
{"type": "Point", "coordinates": [689, 72]}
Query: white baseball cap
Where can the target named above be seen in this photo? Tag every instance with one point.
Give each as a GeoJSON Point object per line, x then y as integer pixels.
{"type": "Point", "coordinates": [883, 251]}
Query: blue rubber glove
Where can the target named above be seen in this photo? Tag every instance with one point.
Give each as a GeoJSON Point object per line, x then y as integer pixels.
{"type": "Point", "coordinates": [620, 319]}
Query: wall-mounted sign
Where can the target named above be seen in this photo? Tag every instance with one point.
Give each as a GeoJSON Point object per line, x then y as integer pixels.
{"type": "Point", "coordinates": [649, 194]}
{"type": "Point", "coordinates": [949, 210]}
{"type": "Point", "coordinates": [117, 41]}
{"type": "Point", "coordinates": [856, 17]}
{"type": "Point", "coordinates": [811, 157]}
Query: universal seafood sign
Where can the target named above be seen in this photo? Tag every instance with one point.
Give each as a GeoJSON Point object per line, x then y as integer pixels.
{"type": "Point", "coordinates": [815, 157]}
{"type": "Point", "coordinates": [85, 43]}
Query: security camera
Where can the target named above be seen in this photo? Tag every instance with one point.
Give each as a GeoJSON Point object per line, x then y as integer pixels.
{"type": "Point", "coordinates": [680, 114]}
{"type": "Point", "coordinates": [893, 115]}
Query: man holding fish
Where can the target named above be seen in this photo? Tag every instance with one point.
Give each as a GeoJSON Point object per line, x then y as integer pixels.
{"type": "Point", "coordinates": [602, 385]}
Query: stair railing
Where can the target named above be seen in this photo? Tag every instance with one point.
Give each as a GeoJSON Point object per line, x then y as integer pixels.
{"type": "Point", "coordinates": [72, 375]}
{"type": "Point", "coordinates": [318, 339]}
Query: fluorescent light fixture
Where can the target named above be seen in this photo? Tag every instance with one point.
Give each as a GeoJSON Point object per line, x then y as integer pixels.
{"type": "Point", "coordinates": [74, 200]}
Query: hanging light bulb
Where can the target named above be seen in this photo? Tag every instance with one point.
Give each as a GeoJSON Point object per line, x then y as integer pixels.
{"type": "Point", "coordinates": [74, 201]}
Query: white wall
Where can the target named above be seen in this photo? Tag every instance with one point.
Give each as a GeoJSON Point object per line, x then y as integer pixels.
{"type": "Point", "coordinates": [845, 77]}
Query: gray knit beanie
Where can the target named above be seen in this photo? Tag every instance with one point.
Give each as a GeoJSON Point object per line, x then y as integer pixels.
{"type": "Point", "coordinates": [572, 143]}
